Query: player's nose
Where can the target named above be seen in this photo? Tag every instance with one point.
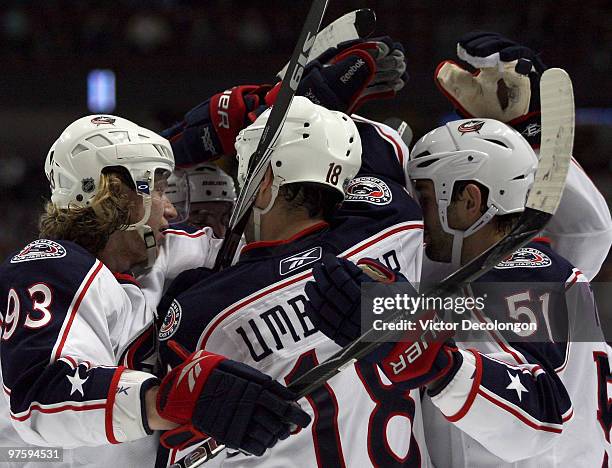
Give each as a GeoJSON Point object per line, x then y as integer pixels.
{"type": "Point", "coordinates": [170, 211]}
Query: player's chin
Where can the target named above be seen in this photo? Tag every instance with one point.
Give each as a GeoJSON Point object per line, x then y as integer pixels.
{"type": "Point", "coordinates": [160, 236]}
{"type": "Point", "coordinates": [434, 254]}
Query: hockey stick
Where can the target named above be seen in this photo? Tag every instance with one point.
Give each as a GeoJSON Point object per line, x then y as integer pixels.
{"type": "Point", "coordinates": [557, 105]}
{"type": "Point", "coordinates": [261, 158]}
{"type": "Point", "coordinates": [402, 128]}
{"type": "Point", "coordinates": [357, 24]}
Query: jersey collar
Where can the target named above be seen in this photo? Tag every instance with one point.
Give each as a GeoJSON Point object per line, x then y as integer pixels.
{"type": "Point", "coordinates": [265, 247]}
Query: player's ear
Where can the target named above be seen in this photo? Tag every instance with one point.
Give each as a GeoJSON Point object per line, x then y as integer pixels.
{"type": "Point", "coordinates": [472, 201]}
{"type": "Point", "coordinates": [265, 189]}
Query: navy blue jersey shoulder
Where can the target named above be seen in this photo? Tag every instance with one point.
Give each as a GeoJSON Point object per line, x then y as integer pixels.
{"type": "Point", "coordinates": [56, 262]}
{"type": "Point", "coordinates": [536, 262]}
{"type": "Point", "coordinates": [529, 287]}
{"type": "Point", "coordinates": [376, 199]}
{"type": "Point", "coordinates": [48, 273]}
{"type": "Point", "coordinates": [379, 154]}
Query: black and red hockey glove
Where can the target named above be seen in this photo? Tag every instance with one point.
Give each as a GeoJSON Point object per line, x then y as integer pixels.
{"type": "Point", "coordinates": [343, 78]}
{"type": "Point", "coordinates": [334, 307]}
{"type": "Point", "coordinates": [210, 129]}
{"type": "Point", "coordinates": [421, 358]}
{"type": "Point", "coordinates": [334, 297]}
{"type": "Point", "coordinates": [503, 85]}
{"type": "Point", "coordinates": [209, 395]}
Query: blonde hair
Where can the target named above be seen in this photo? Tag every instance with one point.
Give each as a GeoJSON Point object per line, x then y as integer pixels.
{"type": "Point", "coordinates": [90, 226]}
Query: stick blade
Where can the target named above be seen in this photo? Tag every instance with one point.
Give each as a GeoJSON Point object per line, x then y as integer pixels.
{"type": "Point", "coordinates": [353, 25]}
{"type": "Point", "coordinates": [403, 129]}
{"type": "Point", "coordinates": [557, 103]}
{"type": "Point", "coordinates": [365, 22]}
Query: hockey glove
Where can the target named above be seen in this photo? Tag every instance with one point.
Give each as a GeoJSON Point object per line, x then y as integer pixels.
{"type": "Point", "coordinates": [334, 298]}
{"type": "Point", "coordinates": [422, 357]}
{"type": "Point", "coordinates": [504, 86]}
{"type": "Point", "coordinates": [209, 395]}
{"type": "Point", "coordinates": [343, 78]}
{"type": "Point", "coordinates": [334, 307]}
{"type": "Point", "coordinates": [210, 129]}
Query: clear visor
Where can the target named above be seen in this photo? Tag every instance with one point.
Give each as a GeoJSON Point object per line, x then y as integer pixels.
{"type": "Point", "coordinates": [177, 193]}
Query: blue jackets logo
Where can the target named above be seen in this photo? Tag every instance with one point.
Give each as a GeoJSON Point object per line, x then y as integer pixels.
{"type": "Point", "coordinates": [171, 321]}
{"type": "Point", "coordinates": [289, 264]}
{"type": "Point", "coordinates": [369, 190]}
{"type": "Point", "coordinates": [526, 257]}
{"type": "Point", "coordinates": [471, 126]}
{"type": "Point", "coordinates": [103, 119]}
{"type": "Point", "coordinates": [40, 249]}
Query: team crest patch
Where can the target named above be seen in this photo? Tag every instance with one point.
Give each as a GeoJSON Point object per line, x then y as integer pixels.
{"type": "Point", "coordinates": [289, 264]}
{"type": "Point", "coordinates": [40, 249]}
{"type": "Point", "coordinates": [171, 322]}
{"type": "Point", "coordinates": [471, 126]}
{"type": "Point", "coordinates": [526, 257]}
{"type": "Point", "coordinates": [369, 190]}
{"type": "Point", "coordinates": [103, 119]}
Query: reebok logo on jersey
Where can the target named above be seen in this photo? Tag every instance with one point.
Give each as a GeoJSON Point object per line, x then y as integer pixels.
{"type": "Point", "coordinates": [526, 257]}
{"type": "Point", "coordinates": [171, 321]}
{"type": "Point", "coordinates": [40, 249]}
{"type": "Point", "coordinates": [352, 70]}
{"type": "Point", "coordinates": [368, 189]}
{"type": "Point", "coordinates": [287, 265]}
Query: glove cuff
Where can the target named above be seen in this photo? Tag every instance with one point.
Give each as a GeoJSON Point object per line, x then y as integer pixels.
{"type": "Point", "coordinates": [456, 361]}
{"type": "Point", "coordinates": [181, 437]}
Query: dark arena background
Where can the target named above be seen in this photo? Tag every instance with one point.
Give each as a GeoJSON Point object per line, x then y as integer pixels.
{"type": "Point", "coordinates": [168, 55]}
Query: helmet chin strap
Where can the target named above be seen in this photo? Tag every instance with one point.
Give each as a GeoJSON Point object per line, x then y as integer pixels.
{"type": "Point", "coordinates": [146, 233]}
{"type": "Point", "coordinates": [459, 235]}
{"type": "Point", "coordinates": [258, 212]}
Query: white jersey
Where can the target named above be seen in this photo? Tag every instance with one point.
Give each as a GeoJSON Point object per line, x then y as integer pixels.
{"type": "Point", "coordinates": [184, 247]}
{"type": "Point", "coordinates": [253, 312]}
{"type": "Point", "coordinates": [528, 404]}
{"type": "Point", "coordinates": [581, 229]}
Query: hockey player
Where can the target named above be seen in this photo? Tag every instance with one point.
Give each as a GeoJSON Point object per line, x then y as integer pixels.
{"type": "Point", "coordinates": [254, 310]}
{"type": "Point", "coordinates": [74, 313]}
{"type": "Point", "coordinates": [505, 86]}
{"type": "Point", "coordinates": [212, 196]}
{"type": "Point", "coordinates": [491, 403]}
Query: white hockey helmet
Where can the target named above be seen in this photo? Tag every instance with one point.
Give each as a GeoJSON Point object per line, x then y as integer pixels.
{"type": "Point", "coordinates": [178, 194]}
{"type": "Point", "coordinates": [483, 150]}
{"type": "Point", "coordinates": [95, 142]}
{"type": "Point", "coordinates": [208, 182]}
{"type": "Point", "coordinates": [315, 145]}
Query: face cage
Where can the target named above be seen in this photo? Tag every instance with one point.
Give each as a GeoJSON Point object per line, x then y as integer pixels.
{"type": "Point", "coordinates": [178, 193]}
{"type": "Point", "coordinates": [145, 185]}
